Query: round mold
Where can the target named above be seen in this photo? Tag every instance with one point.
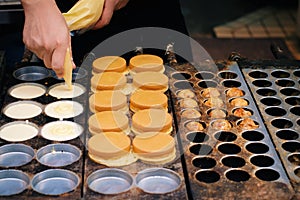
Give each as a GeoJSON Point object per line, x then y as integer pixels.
{"type": "Point", "coordinates": [262, 160]}
{"type": "Point", "coordinates": [270, 101]}
{"type": "Point", "coordinates": [297, 73]}
{"type": "Point", "coordinates": [285, 82]}
{"type": "Point", "coordinates": [262, 83]}
{"type": "Point", "coordinates": [282, 123]}
{"type": "Point", "coordinates": [253, 135]}
{"type": "Point", "coordinates": [229, 148]}
{"type": "Point", "coordinates": [55, 182]}
{"type": "Point", "coordinates": [294, 159]}
{"type": "Point", "coordinates": [181, 75]}
{"type": "Point", "coordinates": [287, 134]}
{"type": "Point", "coordinates": [61, 131]}
{"type": "Point", "coordinates": [200, 149]}
{"type": "Point", "coordinates": [295, 110]}
{"type": "Point", "coordinates": [61, 91]}
{"type": "Point", "coordinates": [58, 109]}
{"type": "Point", "coordinates": [158, 180]}
{"type": "Point", "coordinates": [13, 182]}
{"type": "Point", "coordinates": [237, 175]}
{"type": "Point", "coordinates": [18, 131]}
{"type": "Point", "coordinates": [197, 137]}
{"type": "Point", "coordinates": [110, 181]}
{"type": "Point", "coordinates": [27, 90]}
{"type": "Point", "coordinates": [183, 85]}
{"type": "Point", "coordinates": [266, 92]}
{"type": "Point", "coordinates": [31, 73]}
{"type": "Point", "coordinates": [15, 155]}
{"type": "Point", "coordinates": [204, 162]}
{"type": "Point", "coordinates": [233, 161]}
{"type": "Point", "coordinates": [58, 155]}
{"type": "Point", "coordinates": [293, 101]}
{"type": "Point", "coordinates": [258, 74]}
{"type": "Point", "coordinates": [280, 74]}
{"type": "Point", "coordinates": [204, 75]}
{"type": "Point", "coordinates": [227, 75]}
{"type": "Point", "coordinates": [291, 146]}
{"type": "Point", "coordinates": [275, 111]}
{"type": "Point", "coordinates": [243, 114]}
{"type": "Point", "coordinates": [267, 174]}
{"type": "Point", "coordinates": [290, 91]}
{"type": "Point", "coordinates": [221, 113]}
{"type": "Point", "coordinates": [225, 136]}
{"type": "Point", "coordinates": [207, 176]}
{"type": "Point", "coordinates": [77, 73]}
{"type": "Point", "coordinates": [207, 84]}
{"type": "Point", "coordinates": [194, 125]}
{"type": "Point", "coordinates": [231, 83]}
{"type": "Point", "coordinates": [297, 171]}
{"type": "Point", "coordinates": [23, 109]}
{"type": "Point", "coordinates": [257, 147]}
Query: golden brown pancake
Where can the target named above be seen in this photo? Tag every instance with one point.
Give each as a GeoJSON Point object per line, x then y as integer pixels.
{"type": "Point", "coordinates": [108, 100]}
{"type": "Point", "coordinates": [186, 93]}
{"type": "Point", "coordinates": [151, 120]}
{"type": "Point", "coordinates": [234, 92]}
{"type": "Point", "coordinates": [108, 121]}
{"type": "Point", "coordinates": [150, 81]}
{"type": "Point", "coordinates": [108, 81]}
{"type": "Point", "coordinates": [145, 99]}
{"type": "Point", "coordinates": [146, 62]}
{"type": "Point", "coordinates": [109, 64]}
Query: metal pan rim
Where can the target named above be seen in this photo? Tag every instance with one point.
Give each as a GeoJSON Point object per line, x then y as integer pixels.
{"type": "Point", "coordinates": [16, 175]}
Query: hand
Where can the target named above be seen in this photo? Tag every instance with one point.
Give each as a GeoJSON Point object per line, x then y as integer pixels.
{"type": "Point", "coordinates": [46, 33]}
{"type": "Point", "coordinates": [108, 9]}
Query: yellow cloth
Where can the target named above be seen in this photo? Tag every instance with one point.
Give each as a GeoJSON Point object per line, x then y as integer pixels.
{"type": "Point", "coordinates": [84, 14]}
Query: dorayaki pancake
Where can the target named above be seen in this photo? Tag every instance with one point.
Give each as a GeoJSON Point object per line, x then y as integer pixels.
{"type": "Point", "coordinates": [109, 64]}
{"type": "Point", "coordinates": [159, 148]}
{"type": "Point", "coordinates": [108, 100]}
{"type": "Point", "coordinates": [108, 121]}
{"type": "Point", "coordinates": [150, 81]}
{"type": "Point", "coordinates": [146, 62]}
{"type": "Point", "coordinates": [145, 99]}
{"type": "Point", "coordinates": [108, 81]}
{"type": "Point", "coordinates": [151, 120]}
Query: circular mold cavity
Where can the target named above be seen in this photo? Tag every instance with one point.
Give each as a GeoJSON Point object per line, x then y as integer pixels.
{"type": "Point", "coordinates": [27, 91]}
{"type": "Point", "coordinates": [233, 161]}
{"type": "Point", "coordinates": [229, 148]}
{"type": "Point", "coordinates": [242, 112]}
{"type": "Point", "coordinates": [225, 136]}
{"type": "Point", "coordinates": [204, 162]}
{"type": "Point", "coordinates": [207, 84]}
{"type": "Point", "coordinates": [253, 136]}
{"type": "Point", "coordinates": [15, 155]}
{"type": "Point", "coordinates": [228, 75]}
{"type": "Point", "coordinates": [270, 101]}
{"type": "Point", "coordinates": [31, 73]}
{"type": "Point", "coordinates": [58, 155]}
{"type": "Point", "coordinates": [282, 123]}
{"type": "Point", "coordinates": [183, 85]}
{"type": "Point", "coordinates": [280, 74]}
{"type": "Point", "coordinates": [195, 125]}
{"type": "Point", "coordinates": [13, 182]}
{"type": "Point", "coordinates": [197, 137]}
{"type": "Point", "coordinates": [293, 101]}
{"type": "Point", "coordinates": [63, 109]}
{"type": "Point", "coordinates": [262, 161]}
{"type": "Point", "coordinates": [290, 92]}
{"type": "Point", "coordinates": [297, 172]}
{"type": "Point", "coordinates": [267, 174]}
{"type": "Point", "coordinates": [285, 83]}
{"type": "Point", "coordinates": [216, 113]}
{"type": "Point", "coordinates": [23, 109]}
{"type": "Point", "coordinates": [207, 176]}
{"type": "Point", "coordinates": [298, 122]}
{"type": "Point", "coordinates": [110, 181]}
{"type": "Point", "coordinates": [275, 111]}
{"type": "Point", "coordinates": [204, 75]}
{"type": "Point", "coordinates": [77, 73]}
{"type": "Point", "coordinates": [295, 110]}
{"type": "Point", "coordinates": [291, 146]}
{"type": "Point", "coordinates": [266, 92]}
{"type": "Point", "coordinates": [158, 180]}
{"type": "Point", "coordinates": [257, 148]}
{"type": "Point", "coordinates": [18, 131]}
{"type": "Point", "coordinates": [62, 91]}
{"type": "Point", "coordinates": [200, 149]}
{"type": "Point", "coordinates": [297, 73]}
{"type": "Point", "coordinates": [286, 134]}
{"type": "Point", "coordinates": [258, 74]}
{"type": "Point", "coordinates": [262, 83]}
{"type": "Point", "coordinates": [294, 159]}
{"type": "Point", "coordinates": [231, 83]}
{"type": "Point", "coordinates": [181, 76]}
{"type": "Point", "coordinates": [237, 175]}
{"type": "Point", "coordinates": [55, 182]}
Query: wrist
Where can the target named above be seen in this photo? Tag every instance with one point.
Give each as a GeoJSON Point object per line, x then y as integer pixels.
{"type": "Point", "coordinates": [36, 3]}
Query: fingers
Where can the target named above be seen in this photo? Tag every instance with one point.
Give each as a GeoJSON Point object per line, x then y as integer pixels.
{"type": "Point", "coordinates": [106, 16]}
{"type": "Point", "coordinates": [58, 58]}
